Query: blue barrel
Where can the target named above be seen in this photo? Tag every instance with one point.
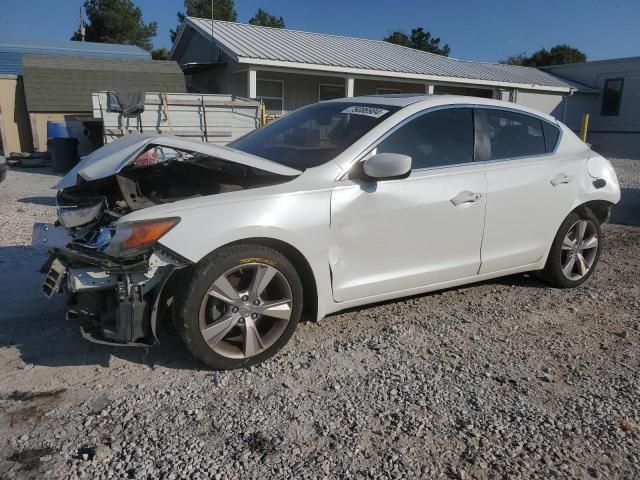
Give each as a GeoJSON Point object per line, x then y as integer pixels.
{"type": "Point", "coordinates": [64, 153]}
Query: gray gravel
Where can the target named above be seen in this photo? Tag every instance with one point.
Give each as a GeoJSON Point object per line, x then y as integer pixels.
{"type": "Point", "coordinates": [503, 379]}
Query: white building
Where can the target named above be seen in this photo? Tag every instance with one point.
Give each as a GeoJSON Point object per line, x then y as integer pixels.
{"type": "Point", "coordinates": [288, 69]}
{"type": "Point", "coordinates": [613, 103]}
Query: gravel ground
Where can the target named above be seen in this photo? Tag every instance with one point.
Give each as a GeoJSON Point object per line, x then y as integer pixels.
{"type": "Point", "coordinates": [502, 379]}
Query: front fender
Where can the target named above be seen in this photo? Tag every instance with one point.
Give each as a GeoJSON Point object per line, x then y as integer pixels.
{"type": "Point", "coordinates": [300, 220]}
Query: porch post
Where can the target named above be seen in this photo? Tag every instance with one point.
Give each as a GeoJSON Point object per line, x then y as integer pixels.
{"type": "Point", "coordinates": [429, 89]}
{"type": "Point", "coordinates": [349, 82]}
{"type": "Point", "coordinates": [251, 83]}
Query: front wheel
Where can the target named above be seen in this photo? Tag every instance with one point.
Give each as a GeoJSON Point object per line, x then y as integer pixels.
{"type": "Point", "coordinates": [241, 306]}
{"type": "Point", "coordinates": [575, 251]}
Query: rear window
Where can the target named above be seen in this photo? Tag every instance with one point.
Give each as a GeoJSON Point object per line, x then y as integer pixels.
{"type": "Point", "coordinates": [315, 134]}
{"type": "Point", "coordinates": [509, 134]}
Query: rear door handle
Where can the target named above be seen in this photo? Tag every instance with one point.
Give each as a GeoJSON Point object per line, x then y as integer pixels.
{"type": "Point", "coordinates": [465, 197]}
{"type": "Point", "coordinates": [560, 179]}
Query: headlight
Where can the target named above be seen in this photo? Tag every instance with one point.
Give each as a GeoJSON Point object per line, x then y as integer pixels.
{"type": "Point", "coordinates": [133, 237]}
{"type": "Point", "coordinates": [76, 216]}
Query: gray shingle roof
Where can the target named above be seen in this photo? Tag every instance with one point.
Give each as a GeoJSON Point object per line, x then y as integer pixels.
{"type": "Point", "coordinates": [65, 84]}
{"type": "Point", "coordinates": [247, 43]}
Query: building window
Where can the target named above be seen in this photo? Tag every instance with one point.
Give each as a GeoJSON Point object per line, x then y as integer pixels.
{"type": "Point", "coordinates": [467, 91]}
{"type": "Point", "coordinates": [612, 97]}
{"type": "Point", "coordinates": [271, 92]}
{"type": "Point", "coordinates": [388, 91]}
{"type": "Point", "coordinates": [329, 92]}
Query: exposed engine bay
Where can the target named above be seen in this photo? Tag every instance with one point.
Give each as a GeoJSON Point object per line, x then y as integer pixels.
{"type": "Point", "coordinates": [114, 272]}
{"type": "Point", "coordinates": [99, 203]}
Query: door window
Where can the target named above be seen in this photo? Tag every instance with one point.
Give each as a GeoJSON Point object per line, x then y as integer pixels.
{"type": "Point", "coordinates": [504, 134]}
{"type": "Point", "coordinates": [435, 139]}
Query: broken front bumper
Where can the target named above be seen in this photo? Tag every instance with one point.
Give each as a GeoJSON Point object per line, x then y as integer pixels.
{"type": "Point", "coordinates": [115, 303]}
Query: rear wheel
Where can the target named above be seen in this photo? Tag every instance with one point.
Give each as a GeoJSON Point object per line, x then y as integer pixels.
{"type": "Point", "coordinates": [575, 251]}
{"type": "Point", "coordinates": [241, 306]}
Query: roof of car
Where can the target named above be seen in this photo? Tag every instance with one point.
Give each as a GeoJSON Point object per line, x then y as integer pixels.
{"type": "Point", "coordinates": [405, 99]}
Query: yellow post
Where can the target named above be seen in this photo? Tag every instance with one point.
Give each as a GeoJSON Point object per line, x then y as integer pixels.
{"type": "Point", "coordinates": [263, 114]}
{"type": "Point", "coordinates": [584, 127]}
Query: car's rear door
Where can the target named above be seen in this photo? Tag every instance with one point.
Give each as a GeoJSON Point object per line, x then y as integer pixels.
{"type": "Point", "coordinates": [395, 235]}
{"type": "Point", "coordinates": [529, 188]}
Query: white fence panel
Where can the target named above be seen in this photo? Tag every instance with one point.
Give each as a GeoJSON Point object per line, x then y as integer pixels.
{"type": "Point", "coordinates": [206, 117]}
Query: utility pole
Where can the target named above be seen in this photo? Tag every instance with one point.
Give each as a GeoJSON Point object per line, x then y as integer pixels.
{"type": "Point", "coordinates": [81, 28]}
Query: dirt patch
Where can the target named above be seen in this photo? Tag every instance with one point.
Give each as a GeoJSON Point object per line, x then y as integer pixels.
{"type": "Point", "coordinates": [30, 459]}
{"type": "Point", "coordinates": [41, 402]}
{"type": "Point", "coordinates": [25, 396]}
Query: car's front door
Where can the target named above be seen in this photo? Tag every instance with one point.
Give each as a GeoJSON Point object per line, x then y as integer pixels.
{"type": "Point", "coordinates": [529, 189]}
{"type": "Point", "coordinates": [400, 234]}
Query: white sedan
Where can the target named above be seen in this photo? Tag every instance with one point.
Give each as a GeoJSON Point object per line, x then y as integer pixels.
{"type": "Point", "coordinates": [335, 205]}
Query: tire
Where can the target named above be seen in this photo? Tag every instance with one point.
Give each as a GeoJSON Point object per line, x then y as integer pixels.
{"type": "Point", "coordinates": [233, 299]}
{"type": "Point", "coordinates": [571, 242]}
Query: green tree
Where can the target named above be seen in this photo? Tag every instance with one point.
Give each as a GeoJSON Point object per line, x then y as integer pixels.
{"type": "Point", "coordinates": [420, 40]}
{"type": "Point", "coordinates": [117, 21]}
{"type": "Point", "coordinates": [517, 59]}
{"type": "Point", "coordinates": [160, 53]}
{"type": "Point", "coordinates": [264, 19]}
{"type": "Point", "coordinates": [222, 10]}
{"type": "Point", "coordinates": [558, 55]}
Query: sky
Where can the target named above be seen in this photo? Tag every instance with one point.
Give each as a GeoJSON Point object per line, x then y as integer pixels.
{"type": "Point", "coordinates": [484, 30]}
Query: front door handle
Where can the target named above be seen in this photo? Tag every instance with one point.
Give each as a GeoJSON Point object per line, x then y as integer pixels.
{"type": "Point", "coordinates": [465, 197]}
{"type": "Point", "coordinates": [560, 179]}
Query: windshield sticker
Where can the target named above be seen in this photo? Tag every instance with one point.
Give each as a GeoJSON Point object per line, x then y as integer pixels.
{"type": "Point", "coordinates": [368, 111]}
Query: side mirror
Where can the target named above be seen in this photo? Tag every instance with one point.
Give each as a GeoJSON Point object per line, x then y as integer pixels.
{"type": "Point", "coordinates": [384, 166]}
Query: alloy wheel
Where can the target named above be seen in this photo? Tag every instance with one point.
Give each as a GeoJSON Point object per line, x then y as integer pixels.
{"type": "Point", "coordinates": [579, 249]}
{"type": "Point", "coordinates": [246, 310]}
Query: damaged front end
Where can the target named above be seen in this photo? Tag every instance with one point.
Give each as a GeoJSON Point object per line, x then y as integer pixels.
{"type": "Point", "coordinates": [115, 272]}
{"type": "Point", "coordinates": [114, 301]}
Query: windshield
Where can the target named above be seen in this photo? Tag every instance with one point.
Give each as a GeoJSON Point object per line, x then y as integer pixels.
{"type": "Point", "coordinates": [313, 135]}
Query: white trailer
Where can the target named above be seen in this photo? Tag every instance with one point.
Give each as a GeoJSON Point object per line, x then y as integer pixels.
{"type": "Point", "coordinates": [210, 118]}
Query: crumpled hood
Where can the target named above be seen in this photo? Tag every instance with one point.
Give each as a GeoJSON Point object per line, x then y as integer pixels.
{"type": "Point", "coordinates": [113, 157]}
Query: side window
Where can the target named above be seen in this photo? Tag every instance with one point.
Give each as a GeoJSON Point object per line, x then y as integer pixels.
{"type": "Point", "coordinates": [435, 139]}
{"type": "Point", "coordinates": [507, 134]}
{"type": "Point", "coordinates": [551, 134]}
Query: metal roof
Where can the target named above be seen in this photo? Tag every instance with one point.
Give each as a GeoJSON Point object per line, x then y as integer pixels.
{"type": "Point", "coordinates": [278, 47]}
{"type": "Point", "coordinates": [12, 51]}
